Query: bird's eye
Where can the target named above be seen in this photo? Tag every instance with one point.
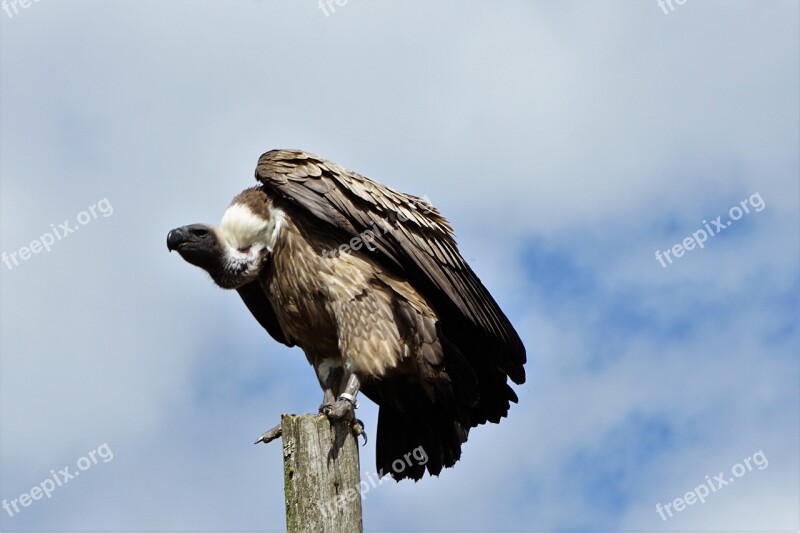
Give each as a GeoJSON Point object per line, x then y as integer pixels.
{"type": "Point", "coordinates": [200, 232]}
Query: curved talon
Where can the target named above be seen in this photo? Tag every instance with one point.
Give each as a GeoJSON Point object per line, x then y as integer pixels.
{"type": "Point", "coordinates": [358, 429]}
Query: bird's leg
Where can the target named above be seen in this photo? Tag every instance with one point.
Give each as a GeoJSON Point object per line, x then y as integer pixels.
{"type": "Point", "coordinates": [330, 379]}
{"type": "Point", "coordinates": [327, 400]}
{"type": "Point", "coordinates": [345, 407]}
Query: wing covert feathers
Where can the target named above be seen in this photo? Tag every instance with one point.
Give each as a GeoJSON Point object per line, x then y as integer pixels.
{"type": "Point", "coordinates": [413, 238]}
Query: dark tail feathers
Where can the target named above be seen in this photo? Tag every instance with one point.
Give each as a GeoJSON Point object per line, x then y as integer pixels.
{"type": "Point", "coordinates": [408, 444]}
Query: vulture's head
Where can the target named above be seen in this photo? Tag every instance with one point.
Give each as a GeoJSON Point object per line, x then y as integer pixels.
{"type": "Point", "coordinates": [235, 252]}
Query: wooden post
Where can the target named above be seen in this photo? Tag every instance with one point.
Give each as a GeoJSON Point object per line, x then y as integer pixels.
{"type": "Point", "coordinates": [321, 475]}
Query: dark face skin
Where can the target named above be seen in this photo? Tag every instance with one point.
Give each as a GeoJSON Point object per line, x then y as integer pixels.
{"type": "Point", "coordinates": [198, 245]}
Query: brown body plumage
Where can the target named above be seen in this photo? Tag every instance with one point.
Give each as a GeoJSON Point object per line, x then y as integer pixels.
{"type": "Point", "coordinates": [367, 281]}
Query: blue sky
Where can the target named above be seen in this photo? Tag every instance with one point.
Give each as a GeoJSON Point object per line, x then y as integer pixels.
{"type": "Point", "coordinates": [565, 141]}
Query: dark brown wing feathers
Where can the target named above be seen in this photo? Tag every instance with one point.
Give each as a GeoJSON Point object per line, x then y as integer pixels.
{"type": "Point", "coordinates": [421, 243]}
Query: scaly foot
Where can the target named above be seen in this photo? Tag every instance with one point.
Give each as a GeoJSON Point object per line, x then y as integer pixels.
{"type": "Point", "coordinates": [270, 435]}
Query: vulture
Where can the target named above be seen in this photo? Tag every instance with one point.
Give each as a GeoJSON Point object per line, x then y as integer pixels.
{"type": "Point", "coordinates": [369, 282]}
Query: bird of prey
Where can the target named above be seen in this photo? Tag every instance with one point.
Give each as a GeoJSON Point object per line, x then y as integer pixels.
{"type": "Point", "coordinates": [369, 282]}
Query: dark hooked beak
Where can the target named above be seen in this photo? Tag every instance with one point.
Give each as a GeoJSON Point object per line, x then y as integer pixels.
{"type": "Point", "coordinates": [176, 237]}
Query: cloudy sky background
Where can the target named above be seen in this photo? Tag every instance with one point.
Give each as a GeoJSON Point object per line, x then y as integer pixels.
{"type": "Point", "coordinates": [566, 141]}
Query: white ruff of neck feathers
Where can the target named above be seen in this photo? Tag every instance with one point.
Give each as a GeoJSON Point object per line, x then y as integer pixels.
{"type": "Point", "coordinates": [245, 234]}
